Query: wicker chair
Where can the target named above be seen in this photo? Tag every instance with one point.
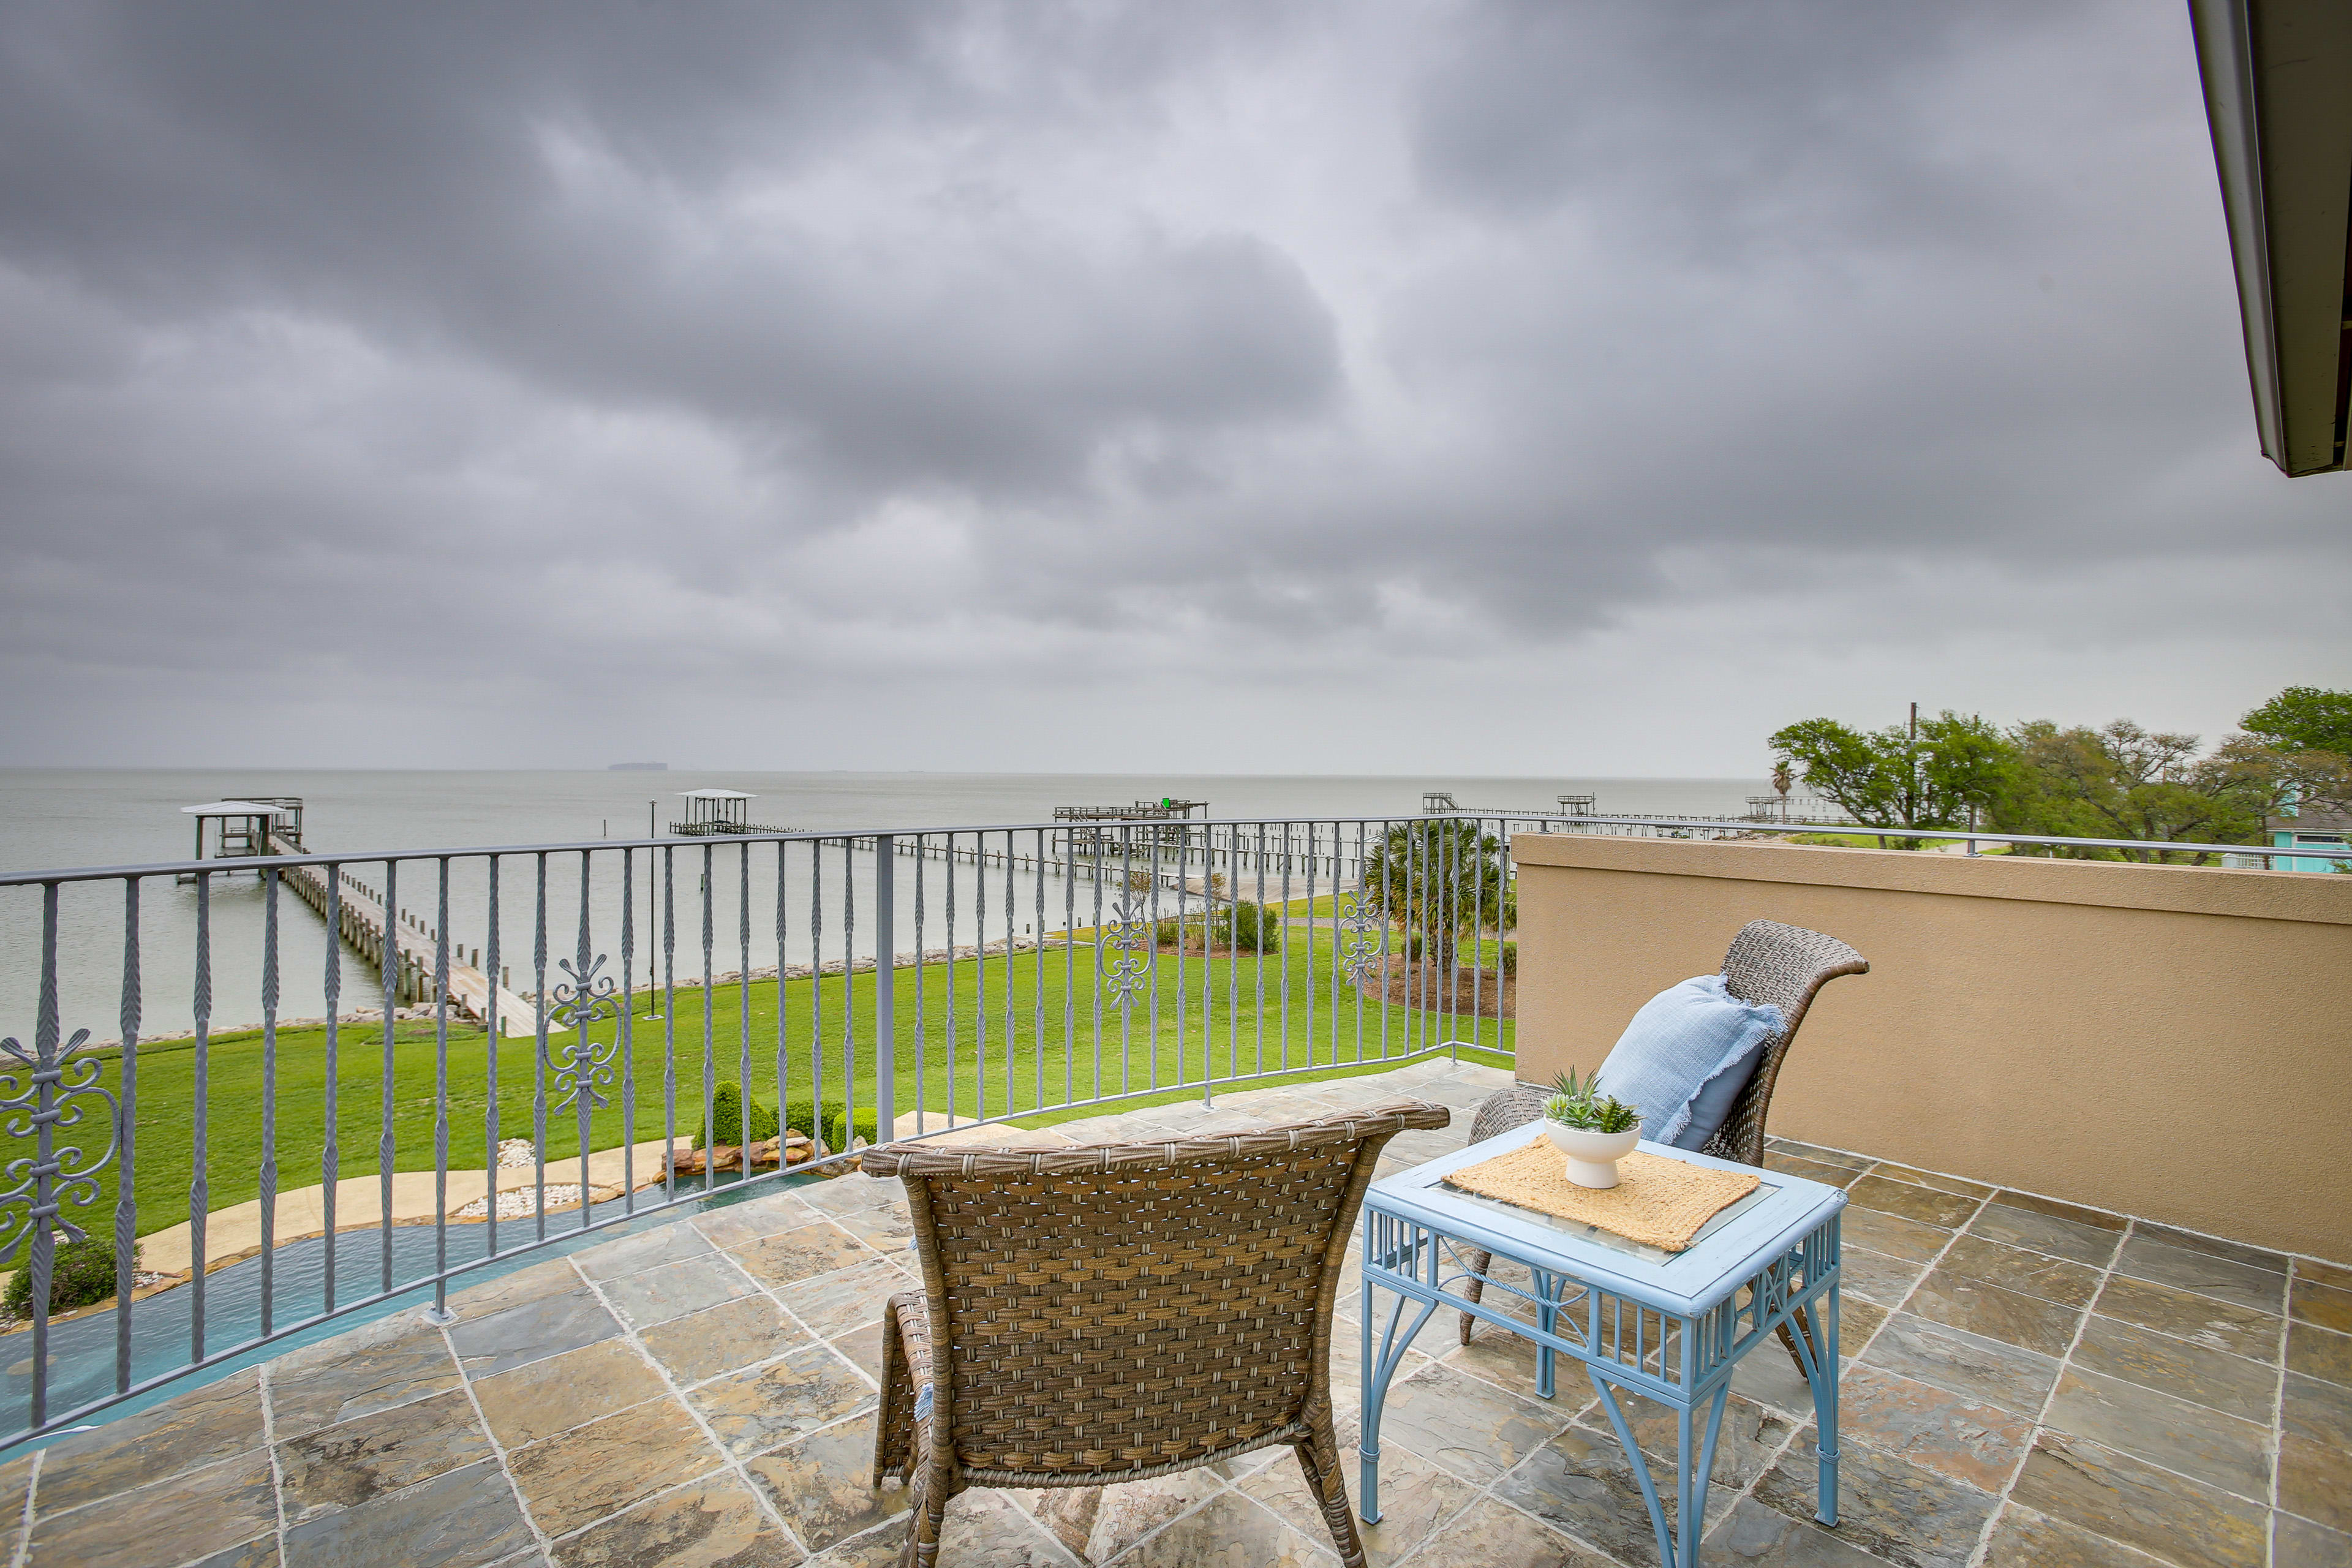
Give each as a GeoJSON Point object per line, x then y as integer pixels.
{"type": "Point", "coordinates": [1124, 1311]}
{"type": "Point", "coordinates": [1783, 964]}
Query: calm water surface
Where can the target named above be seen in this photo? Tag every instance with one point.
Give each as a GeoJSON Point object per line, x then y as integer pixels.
{"type": "Point", "coordinates": [59, 818]}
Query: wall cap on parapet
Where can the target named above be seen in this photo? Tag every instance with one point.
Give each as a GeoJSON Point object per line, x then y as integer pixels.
{"type": "Point", "coordinates": [2323, 899]}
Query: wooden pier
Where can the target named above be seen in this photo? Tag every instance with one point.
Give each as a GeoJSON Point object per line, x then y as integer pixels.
{"type": "Point", "coordinates": [1203, 848]}
{"type": "Point", "coordinates": [385, 937]}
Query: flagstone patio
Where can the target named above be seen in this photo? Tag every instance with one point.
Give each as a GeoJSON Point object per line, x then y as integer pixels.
{"type": "Point", "coordinates": [2030, 1383]}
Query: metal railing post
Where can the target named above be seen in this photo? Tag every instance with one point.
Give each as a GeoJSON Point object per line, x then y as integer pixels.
{"type": "Point", "coordinates": [885, 1033]}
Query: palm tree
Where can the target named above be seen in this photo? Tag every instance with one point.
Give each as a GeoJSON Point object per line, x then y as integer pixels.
{"type": "Point", "coordinates": [1442, 880]}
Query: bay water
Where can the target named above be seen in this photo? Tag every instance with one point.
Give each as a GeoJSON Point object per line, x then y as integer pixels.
{"type": "Point", "coordinates": [57, 818]}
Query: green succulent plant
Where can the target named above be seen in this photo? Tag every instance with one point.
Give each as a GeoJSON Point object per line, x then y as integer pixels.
{"type": "Point", "coordinates": [1576, 1102]}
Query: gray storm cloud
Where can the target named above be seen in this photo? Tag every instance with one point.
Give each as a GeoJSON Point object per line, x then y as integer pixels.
{"type": "Point", "coordinates": [885, 385]}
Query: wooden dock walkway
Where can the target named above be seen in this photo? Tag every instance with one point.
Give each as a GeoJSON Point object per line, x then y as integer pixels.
{"type": "Point", "coordinates": [362, 921]}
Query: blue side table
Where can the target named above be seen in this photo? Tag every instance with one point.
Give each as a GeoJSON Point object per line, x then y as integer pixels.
{"type": "Point", "coordinates": [1669, 1325]}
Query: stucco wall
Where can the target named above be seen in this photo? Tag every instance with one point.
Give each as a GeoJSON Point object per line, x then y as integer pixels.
{"type": "Point", "coordinates": [2166, 1041]}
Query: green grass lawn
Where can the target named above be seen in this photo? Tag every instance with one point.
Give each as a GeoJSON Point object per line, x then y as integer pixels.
{"type": "Point", "coordinates": [1016, 1034]}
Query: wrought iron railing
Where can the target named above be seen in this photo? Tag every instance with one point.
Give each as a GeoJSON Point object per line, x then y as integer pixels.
{"type": "Point", "coordinates": [599, 1008]}
{"type": "Point", "coordinates": [287, 1174]}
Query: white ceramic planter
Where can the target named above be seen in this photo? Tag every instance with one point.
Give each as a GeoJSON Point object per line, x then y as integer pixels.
{"type": "Point", "coordinates": [1591, 1156]}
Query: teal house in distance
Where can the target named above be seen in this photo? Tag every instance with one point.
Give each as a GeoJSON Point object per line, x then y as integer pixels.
{"type": "Point", "coordinates": [2324, 830]}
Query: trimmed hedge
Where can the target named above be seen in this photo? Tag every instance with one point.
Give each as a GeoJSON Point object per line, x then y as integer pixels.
{"type": "Point", "coordinates": [725, 1125]}
{"type": "Point", "coordinates": [800, 1115]}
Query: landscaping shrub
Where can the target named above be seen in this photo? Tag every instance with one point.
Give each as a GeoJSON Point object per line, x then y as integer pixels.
{"type": "Point", "coordinates": [1251, 928]}
{"type": "Point", "coordinates": [84, 1272]}
{"type": "Point", "coordinates": [726, 1128]}
{"type": "Point", "coordinates": [800, 1115]}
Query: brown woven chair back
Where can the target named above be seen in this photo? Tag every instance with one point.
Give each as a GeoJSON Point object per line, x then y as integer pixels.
{"type": "Point", "coordinates": [1119, 1312]}
{"type": "Point", "coordinates": [1785, 966]}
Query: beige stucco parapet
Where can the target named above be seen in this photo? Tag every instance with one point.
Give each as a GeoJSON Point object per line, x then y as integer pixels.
{"type": "Point", "coordinates": [2105, 884]}
{"type": "Point", "coordinates": [2094, 1032]}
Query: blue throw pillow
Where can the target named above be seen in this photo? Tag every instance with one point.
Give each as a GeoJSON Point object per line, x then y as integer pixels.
{"type": "Point", "coordinates": [1685, 1057]}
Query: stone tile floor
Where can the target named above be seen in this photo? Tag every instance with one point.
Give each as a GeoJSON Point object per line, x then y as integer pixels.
{"type": "Point", "coordinates": [2030, 1384]}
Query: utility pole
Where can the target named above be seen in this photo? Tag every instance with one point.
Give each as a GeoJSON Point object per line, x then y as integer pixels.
{"type": "Point", "coordinates": [1911, 763]}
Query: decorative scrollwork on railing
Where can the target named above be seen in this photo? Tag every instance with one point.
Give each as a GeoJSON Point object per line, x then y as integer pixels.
{"type": "Point", "coordinates": [1125, 953]}
{"type": "Point", "coordinates": [1363, 938]}
{"type": "Point", "coordinates": [580, 1063]}
{"type": "Point", "coordinates": [38, 1101]}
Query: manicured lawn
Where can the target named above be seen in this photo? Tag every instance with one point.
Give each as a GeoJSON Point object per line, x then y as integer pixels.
{"type": "Point", "coordinates": [1030, 1032]}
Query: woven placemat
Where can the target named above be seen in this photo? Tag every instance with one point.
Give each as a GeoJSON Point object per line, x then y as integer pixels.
{"type": "Point", "coordinates": [1657, 1201]}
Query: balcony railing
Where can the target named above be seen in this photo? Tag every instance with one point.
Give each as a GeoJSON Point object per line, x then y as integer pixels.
{"type": "Point", "coordinates": [548, 1031]}
{"type": "Point", "coordinates": [284, 1162]}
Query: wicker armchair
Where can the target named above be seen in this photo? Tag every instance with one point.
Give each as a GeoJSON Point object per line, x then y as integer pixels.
{"type": "Point", "coordinates": [1124, 1311]}
{"type": "Point", "coordinates": [1783, 964]}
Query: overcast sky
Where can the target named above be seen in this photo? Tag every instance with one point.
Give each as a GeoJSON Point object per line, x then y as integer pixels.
{"type": "Point", "coordinates": [1453, 388]}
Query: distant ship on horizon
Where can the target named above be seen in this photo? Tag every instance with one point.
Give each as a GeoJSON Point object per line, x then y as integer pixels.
{"type": "Point", "coordinates": [637, 767]}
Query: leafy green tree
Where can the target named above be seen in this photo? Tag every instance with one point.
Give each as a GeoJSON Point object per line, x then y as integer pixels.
{"type": "Point", "coordinates": [2121, 781]}
{"type": "Point", "coordinates": [2301, 739]}
{"type": "Point", "coordinates": [1937, 773]}
{"type": "Point", "coordinates": [1442, 880]}
{"type": "Point", "coordinates": [2305, 718]}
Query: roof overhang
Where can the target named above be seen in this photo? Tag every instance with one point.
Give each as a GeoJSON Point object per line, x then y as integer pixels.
{"type": "Point", "coordinates": [2278, 97]}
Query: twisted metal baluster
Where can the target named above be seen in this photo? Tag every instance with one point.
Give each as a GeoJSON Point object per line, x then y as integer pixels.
{"type": "Point", "coordinates": [783, 960]}
{"type": "Point", "coordinates": [980, 973]}
{"type": "Point", "coordinates": [331, 1152]}
{"type": "Point", "coordinates": [1388, 926]}
{"type": "Point", "coordinates": [1478, 937]}
{"type": "Point", "coordinates": [709, 1072]}
{"type": "Point", "coordinates": [922, 984]}
{"type": "Point", "coordinates": [955, 1037]}
{"type": "Point", "coordinates": [743, 1009]}
{"type": "Point", "coordinates": [669, 1023]}
{"type": "Point", "coordinates": [1314, 849]}
{"type": "Point", "coordinates": [1152, 947]}
{"type": "Point", "coordinates": [1069, 979]}
{"type": "Point", "coordinates": [1012, 1031]}
{"type": "Point", "coordinates": [848, 1003]}
{"type": "Point", "coordinates": [1449, 915]}
{"type": "Point", "coordinates": [1360, 917]}
{"type": "Point", "coordinates": [589, 1002]}
{"type": "Point", "coordinates": [1037, 968]}
{"type": "Point", "coordinates": [200, 1184]}
{"type": "Point", "coordinates": [1094, 840]}
{"type": "Point", "coordinates": [886, 980]}
{"type": "Point", "coordinates": [1184, 891]}
{"type": "Point", "coordinates": [388, 968]}
{"type": "Point", "coordinates": [440, 1311]}
{"type": "Point", "coordinates": [1209, 963]}
{"type": "Point", "coordinates": [268, 1174]}
{"type": "Point", "coordinates": [816, 994]}
{"type": "Point", "coordinates": [1233, 955]}
{"type": "Point", "coordinates": [1260, 950]}
{"type": "Point", "coordinates": [491, 977]}
{"type": "Point", "coordinates": [126, 1194]}
{"type": "Point", "coordinates": [540, 1021]}
{"type": "Point", "coordinates": [40, 1094]}
{"type": "Point", "coordinates": [628, 1016]}
{"type": "Point", "coordinates": [1282, 972]}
